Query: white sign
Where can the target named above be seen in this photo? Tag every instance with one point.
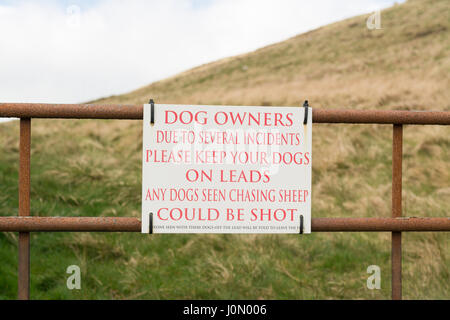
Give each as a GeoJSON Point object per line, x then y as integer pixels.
{"type": "Point", "coordinates": [226, 169]}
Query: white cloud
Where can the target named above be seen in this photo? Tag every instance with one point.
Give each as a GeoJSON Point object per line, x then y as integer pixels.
{"type": "Point", "coordinates": [53, 53]}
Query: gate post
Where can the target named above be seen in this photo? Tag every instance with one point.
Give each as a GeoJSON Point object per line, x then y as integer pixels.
{"type": "Point", "coordinates": [396, 253]}
{"type": "Point", "coordinates": [24, 208]}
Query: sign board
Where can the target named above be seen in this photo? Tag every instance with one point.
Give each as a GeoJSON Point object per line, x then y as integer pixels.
{"type": "Point", "coordinates": [226, 169]}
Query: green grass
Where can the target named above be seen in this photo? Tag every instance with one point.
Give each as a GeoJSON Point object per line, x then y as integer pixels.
{"type": "Point", "coordinates": [92, 168]}
{"type": "Point", "coordinates": [125, 266]}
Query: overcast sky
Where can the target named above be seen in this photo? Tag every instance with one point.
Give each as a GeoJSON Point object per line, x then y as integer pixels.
{"type": "Point", "coordinates": [75, 51]}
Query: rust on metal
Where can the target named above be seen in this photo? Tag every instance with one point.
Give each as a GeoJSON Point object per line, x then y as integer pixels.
{"type": "Point", "coordinates": [71, 111]}
{"type": "Point", "coordinates": [24, 209]}
{"type": "Point", "coordinates": [381, 116]}
{"type": "Point", "coordinates": [396, 250]}
{"type": "Point", "coordinates": [128, 224]}
{"type": "Point", "coordinates": [87, 224]}
{"type": "Point", "coordinates": [114, 111]}
{"type": "Point", "coordinates": [379, 224]}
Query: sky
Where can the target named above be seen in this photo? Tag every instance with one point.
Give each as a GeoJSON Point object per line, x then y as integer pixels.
{"type": "Point", "coordinates": [60, 51]}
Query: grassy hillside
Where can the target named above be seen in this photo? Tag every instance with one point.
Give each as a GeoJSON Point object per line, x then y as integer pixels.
{"type": "Point", "coordinates": [406, 65]}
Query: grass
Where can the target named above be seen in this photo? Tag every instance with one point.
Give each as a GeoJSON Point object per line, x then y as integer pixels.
{"type": "Point", "coordinates": [92, 168]}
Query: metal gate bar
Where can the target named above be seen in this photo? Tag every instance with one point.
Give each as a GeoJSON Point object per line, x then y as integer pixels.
{"type": "Point", "coordinates": [24, 208]}
{"type": "Point", "coordinates": [25, 224]}
{"type": "Point", "coordinates": [126, 224]}
{"type": "Point", "coordinates": [396, 247]}
{"type": "Point", "coordinates": [115, 111]}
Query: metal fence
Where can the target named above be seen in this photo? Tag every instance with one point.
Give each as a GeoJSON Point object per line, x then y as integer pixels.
{"type": "Point", "coordinates": [24, 224]}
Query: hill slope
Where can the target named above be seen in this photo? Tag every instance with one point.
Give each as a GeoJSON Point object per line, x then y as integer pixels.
{"type": "Point", "coordinates": [343, 65]}
{"type": "Point", "coordinates": [406, 64]}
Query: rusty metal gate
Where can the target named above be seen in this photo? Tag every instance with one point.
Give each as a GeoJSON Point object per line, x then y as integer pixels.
{"type": "Point", "coordinates": [24, 224]}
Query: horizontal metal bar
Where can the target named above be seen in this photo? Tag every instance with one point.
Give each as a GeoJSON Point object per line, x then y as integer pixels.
{"type": "Point", "coordinates": [381, 116]}
{"type": "Point", "coordinates": [110, 111]}
{"type": "Point", "coordinates": [42, 224]}
{"type": "Point", "coordinates": [123, 224]}
{"type": "Point", "coordinates": [380, 224]}
{"type": "Point", "coordinates": [71, 111]}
